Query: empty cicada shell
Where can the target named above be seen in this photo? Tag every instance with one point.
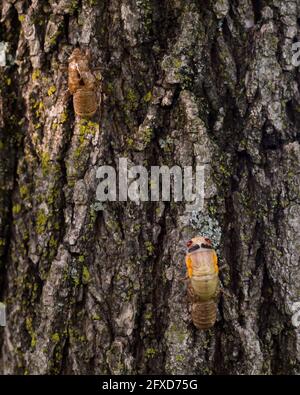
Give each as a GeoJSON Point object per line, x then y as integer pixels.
{"type": "Point", "coordinates": [82, 84]}
{"type": "Point", "coordinates": [85, 103]}
{"type": "Point", "coordinates": [203, 287]}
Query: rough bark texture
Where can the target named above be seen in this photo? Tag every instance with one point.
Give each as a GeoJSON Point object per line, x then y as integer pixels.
{"type": "Point", "coordinates": [184, 82]}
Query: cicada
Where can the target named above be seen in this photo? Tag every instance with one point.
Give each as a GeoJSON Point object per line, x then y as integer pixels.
{"type": "Point", "coordinates": [82, 84]}
{"type": "Point", "coordinates": [203, 286]}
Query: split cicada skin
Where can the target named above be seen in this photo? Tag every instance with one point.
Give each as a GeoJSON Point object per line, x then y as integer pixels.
{"type": "Point", "coordinates": [203, 287]}
{"type": "Point", "coordinates": [82, 84]}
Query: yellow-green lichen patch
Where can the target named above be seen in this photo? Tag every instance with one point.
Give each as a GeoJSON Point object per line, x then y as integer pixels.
{"type": "Point", "coordinates": [36, 74]}
{"type": "Point", "coordinates": [16, 209]}
{"type": "Point", "coordinates": [148, 315]}
{"type": "Point", "coordinates": [24, 193]}
{"type": "Point", "coordinates": [148, 97]}
{"type": "Point", "coordinates": [53, 39]}
{"type": "Point", "coordinates": [87, 129]}
{"type": "Point", "coordinates": [39, 109]}
{"type": "Point", "coordinates": [45, 159]}
{"type": "Point", "coordinates": [131, 101]}
{"type": "Point", "coordinates": [63, 117]}
{"type": "Point", "coordinates": [177, 63]}
{"type": "Point", "coordinates": [53, 242]}
{"type": "Point", "coordinates": [51, 90]}
{"type": "Point", "coordinates": [149, 247]}
{"type": "Point", "coordinates": [147, 135]}
{"type": "Point", "coordinates": [176, 335]}
{"type": "Point", "coordinates": [150, 352]}
{"type": "Point", "coordinates": [179, 358]}
{"type": "Point", "coordinates": [74, 6]}
{"type": "Point", "coordinates": [29, 328]}
{"type": "Point", "coordinates": [55, 337]}
{"type": "Point", "coordinates": [41, 221]}
{"type": "Point", "coordinates": [85, 275]}
{"type": "Point", "coordinates": [130, 141]}
{"type": "Point", "coordinates": [53, 195]}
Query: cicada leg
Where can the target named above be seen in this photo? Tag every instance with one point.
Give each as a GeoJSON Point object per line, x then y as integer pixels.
{"type": "Point", "coordinates": [191, 296]}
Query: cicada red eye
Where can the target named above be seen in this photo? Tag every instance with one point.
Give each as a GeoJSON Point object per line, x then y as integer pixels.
{"type": "Point", "coordinates": [189, 243]}
{"type": "Point", "coordinates": [207, 240]}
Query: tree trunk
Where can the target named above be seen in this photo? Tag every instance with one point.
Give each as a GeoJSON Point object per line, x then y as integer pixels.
{"type": "Point", "coordinates": [184, 83]}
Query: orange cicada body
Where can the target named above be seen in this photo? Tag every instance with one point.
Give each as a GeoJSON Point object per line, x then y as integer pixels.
{"type": "Point", "coordinates": [203, 288]}
{"type": "Point", "coordinates": [82, 84]}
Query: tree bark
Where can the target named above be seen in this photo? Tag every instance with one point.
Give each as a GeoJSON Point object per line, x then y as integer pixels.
{"type": "Point", "coordinates": [184, 83]}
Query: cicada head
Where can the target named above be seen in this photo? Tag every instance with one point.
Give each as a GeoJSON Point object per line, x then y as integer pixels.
{"type": "Point", "coordinates": [201, 257]}
{"type": "Point", "coordinates": [196, 252]}
{"type": "Point", "coordinates": [79, 55]}
{"type": "Point", "coordinates": [200, 241]}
